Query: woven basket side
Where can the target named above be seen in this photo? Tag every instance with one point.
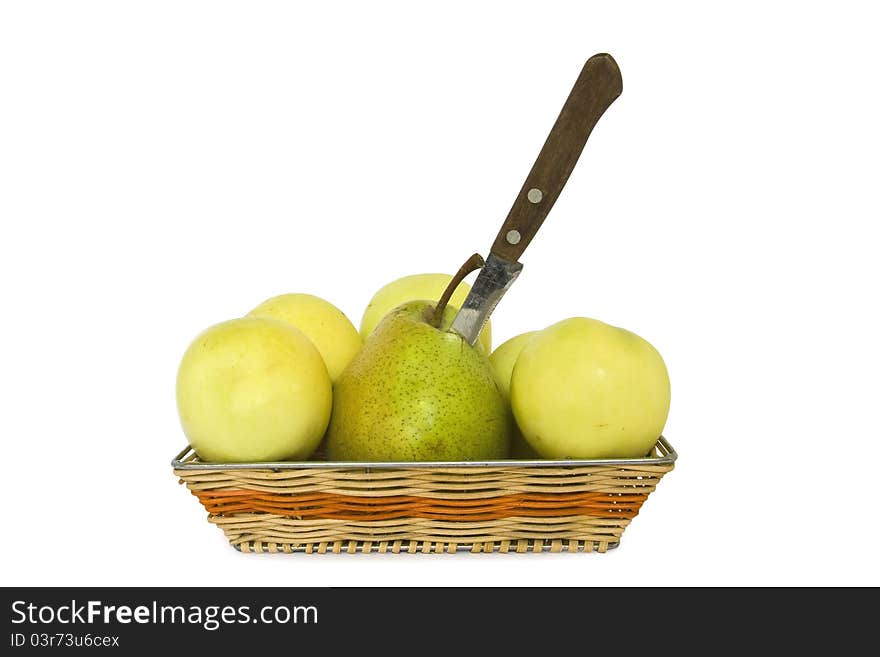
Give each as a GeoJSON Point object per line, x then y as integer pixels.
{"type": "Point", "coordinates": [461, 483]}
{"type": "Point", "coordinates": [342, 507]}
{"type": "Point", "coordinates": [492, 509]}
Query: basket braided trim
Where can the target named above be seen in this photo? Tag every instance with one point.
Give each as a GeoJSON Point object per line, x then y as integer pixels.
{"type": "Point", "coordinates": [427, 547]}
{"type": "Point", "coordinates": [348, 507]}
{"type": "Point", "coordinates": [265, 528]}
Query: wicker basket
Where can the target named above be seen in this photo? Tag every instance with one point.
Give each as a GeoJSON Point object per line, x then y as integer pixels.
{"type": "Point", "coordinates": [504, 506]}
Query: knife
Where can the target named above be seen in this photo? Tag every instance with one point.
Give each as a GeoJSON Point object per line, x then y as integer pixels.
{"type": "Point", "coordinates": [597, 86]}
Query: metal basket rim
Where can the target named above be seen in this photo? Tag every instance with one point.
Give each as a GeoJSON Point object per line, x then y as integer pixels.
{"type": "Point", "coordinates": [183, 461]}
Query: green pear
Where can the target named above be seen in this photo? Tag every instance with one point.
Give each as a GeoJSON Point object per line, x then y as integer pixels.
{"type": "Point", "coordinates": [418, 392]}
{"type": "Point", "coordinates": [413, 287]}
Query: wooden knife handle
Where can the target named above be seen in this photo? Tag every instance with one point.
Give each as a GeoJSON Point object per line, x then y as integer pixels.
{"type": "Point", "coordinates": [598, 85]}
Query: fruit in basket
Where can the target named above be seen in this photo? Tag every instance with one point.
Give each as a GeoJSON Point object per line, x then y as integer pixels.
{"type": "Point", "coordinates": [326, 326]}
{"type": "Point", "coordinates": [253, 389]}
{"type": "Point", "coordinates": [502, 361]}
{"type": "Point", "coordinates": [584, 389]}
{"type": "Point", "coordinates": [504, 357]}
{"type": "Point", "coordinates": [418, 392]}
{"type": "Point", "coordinates": [414, 288]}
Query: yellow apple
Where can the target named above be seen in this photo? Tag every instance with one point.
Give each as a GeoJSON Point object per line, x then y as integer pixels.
{"type": "Point", "coordinates": [584, 389]}
{"type": "Point", "coordinates": [504, 358]}
{"type": "Point", "coordinates": [253, 389]}
{"type": "Point", "coordinates": [412, 288]}
{"type": "Point", "coordinates": [335, 337]}
{"type": "Point", "coordinates": [502, 361]}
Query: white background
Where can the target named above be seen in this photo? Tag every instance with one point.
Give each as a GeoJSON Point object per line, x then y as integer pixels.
{"type": "Point", "coordinates": [168, 165]}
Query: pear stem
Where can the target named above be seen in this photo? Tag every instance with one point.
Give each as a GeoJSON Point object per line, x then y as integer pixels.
{"type": "Point", "coordinates": [471, 264]}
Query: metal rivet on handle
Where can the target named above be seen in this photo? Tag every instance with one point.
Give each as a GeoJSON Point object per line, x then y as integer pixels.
{"type": "Point", "coordinates": [513, 236]}
{"type": "Point", "coordinates": [535, 195]}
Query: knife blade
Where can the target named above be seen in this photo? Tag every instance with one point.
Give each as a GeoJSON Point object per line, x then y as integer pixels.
{"type": "Point", "coordinates": [597, 86]}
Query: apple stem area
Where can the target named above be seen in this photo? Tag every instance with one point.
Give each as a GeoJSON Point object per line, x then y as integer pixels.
{"type": "Point", "coordinates": [434, 316]}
